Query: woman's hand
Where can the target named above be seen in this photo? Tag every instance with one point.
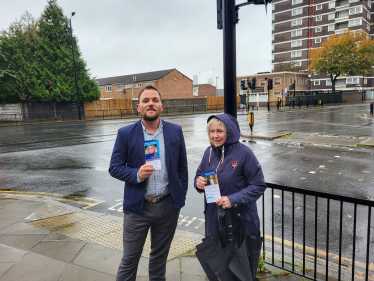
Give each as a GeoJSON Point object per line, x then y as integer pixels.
{"type": "Point", "coordinates": [200, 183]}
{"type": "Point", "coordinates": [224, 202]}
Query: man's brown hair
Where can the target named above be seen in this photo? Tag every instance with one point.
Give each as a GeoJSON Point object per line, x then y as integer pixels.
{"type": "Point", "coordinates": [148, 88]}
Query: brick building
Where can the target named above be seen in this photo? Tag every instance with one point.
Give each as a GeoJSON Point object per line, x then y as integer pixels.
{"type": "Point", "coordinates": [299, 25]}
{"type": "Point", "coordinates": [171, 83]}
{"type": "Point", "coordinates": [204, 90]}
{"type": "Point", "coordinates": [281, 84]}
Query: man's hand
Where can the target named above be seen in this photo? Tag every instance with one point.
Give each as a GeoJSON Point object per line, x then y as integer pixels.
{"type": "Point", "coordinates": [145, 171]}
{"type": "Point", "coordinates": [224, 202]}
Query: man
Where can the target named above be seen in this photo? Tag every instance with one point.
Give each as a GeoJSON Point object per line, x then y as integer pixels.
{"type": "Point", "coordinates": [152, 198]}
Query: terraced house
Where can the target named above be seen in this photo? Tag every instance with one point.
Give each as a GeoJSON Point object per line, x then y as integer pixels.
{"type": "Point", "coordinates": [299, 25]}
{"type": "Point", "coordinates": [171, 83]}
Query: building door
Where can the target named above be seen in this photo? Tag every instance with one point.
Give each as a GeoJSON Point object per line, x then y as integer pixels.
{"type": "Point", "coordinates": [369, 94]}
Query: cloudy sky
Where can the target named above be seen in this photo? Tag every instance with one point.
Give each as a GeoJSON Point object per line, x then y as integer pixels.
{"type": "Point", "coordinates": [119, 37]}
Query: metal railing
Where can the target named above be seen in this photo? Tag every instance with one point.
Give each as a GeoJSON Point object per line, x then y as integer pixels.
{"type": "Point", "coordinates": [324, 228]}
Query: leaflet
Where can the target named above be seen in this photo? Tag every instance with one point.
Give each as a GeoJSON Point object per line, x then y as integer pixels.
{"type": "Point", "coordinates": [212, 192]}
{"type": "Point", "coordinates": [152, 155]}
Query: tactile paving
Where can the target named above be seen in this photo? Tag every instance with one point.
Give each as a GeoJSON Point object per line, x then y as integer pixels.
{"type": "Point", "coordinates": [106, 232]}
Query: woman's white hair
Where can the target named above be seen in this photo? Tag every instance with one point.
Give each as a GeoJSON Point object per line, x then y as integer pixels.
{"type": "Point", "coordinates": [214, 121]}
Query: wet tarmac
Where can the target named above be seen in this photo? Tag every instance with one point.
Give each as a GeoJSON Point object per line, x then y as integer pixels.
{"type": "Point", "coordinates": [71, 159]}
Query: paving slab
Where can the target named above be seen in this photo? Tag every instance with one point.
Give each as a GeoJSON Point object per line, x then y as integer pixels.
{"type": "Point", "coordinates": [21, 241]}
{"type": "Point", "coordinates": [59, 250]}
{"type": "Point", "coordinates": [192, 266]}
{"type": "Point", "coordinates": [4, 267]}
{"type": "Point", "coordinates": [185, 277]}
{"type": "Point", "coordinates": [8, 223]}
{"type": "Point", "coordinates": [74, 272]}
{"type": "Point", "coordinates": [33, 267]}
{"type": "Point", "coordinates": [264, 135]}
{"type": "Point", "coordinates": [53, 236]}
{"type": "Point", "coordinates": [18, 210]}
{"type": "Point", "coordinates": [99, 258]}
{"type": "Point", "coordinates": [6, 201]}
{"type": "Point", "coordinates": [369, 142]}
{"type": "Point", "coordinates": [10, 255]}
{"type": "Point", "coordinates": [24, 228]}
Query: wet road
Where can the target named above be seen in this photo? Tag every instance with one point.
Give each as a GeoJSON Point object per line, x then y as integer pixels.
{"type": "Point", "coordinates": [72, 159]}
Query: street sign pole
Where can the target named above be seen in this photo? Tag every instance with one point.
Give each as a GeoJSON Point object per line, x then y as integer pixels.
{"type": "Point", "coordinates": [229, 56]}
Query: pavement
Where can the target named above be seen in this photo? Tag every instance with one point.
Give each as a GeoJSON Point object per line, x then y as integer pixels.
{"type": "Point", "coordinates": [42, 239]}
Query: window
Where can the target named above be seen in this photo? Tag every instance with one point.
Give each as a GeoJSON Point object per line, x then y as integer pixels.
{"type": "Point", "coordinates": [316, 82]}
{"type": "Point", "coordinates": [355, 10]}
{"type": "Point", "coordinates": [108, 89]}
{"type": "Point", "coordinates": [295, 54]}
{"type": "Point", "coordinates": [368, 15]}
{"type": "Point", "coordinates": [295, 33]}
{"type": "Point", "coordinates": [272, 27]}
{"type": "Point", "coordinates": [100, 89]}
{"type": "Point", "coordinates": [353, 1]}
{"type": "Point", "coordinates": [296, 22]}
{"type": "Point", "coordinates": [272, 47]}
{"type": "Point", "coordinates": [277, 81]}
{"type": "Point", "coordinates": [369, 4]}
{"type": "Point", "coordinates": [331, 5]}
{"type": "Point", "coordinates": [352, 81]}
{"type": "Point", "coordinates": [318, 29]}
{"type": "Point", "coordinates": [291, 80]}
{"type": "Point", "coordinates": [297, 63]}
{"type": "Point", "coordinates": [331, 16]}
{"type": "Point", "coordinates": [331, 27]}
{"type": "Point", "coordinates": [318, 18]}
{"type": "Point", "coordinates": [276, 93]}
{"type": "Point", "coordinates": [355, 22]}
{"type": "Point", "coordinates": [128, 86]}
{"type": "Point", "coordinates": [365, 81]}
{"type": "Point", "coordinates": [296, 43]}
{"type": "Point", "coordinates": [328, 82]}
{"type": "Point", "coordinates": [272, 57]}
{"type": "Point", "coordinates": [317, 40]}
{"type": "Point", "coordinates": [119, 88]}
{"type": "Point", "coordinates": [262, 82]}
{"type": "Point", "coordinates": [318, 7]}
{"type": "Point", "coordinates": [296, 12]}
{"type": "Point", "coordinates": [272, 7]}
{"type": "Point", "coordinates": [148, 84]}
{"type": "Point", "coordinates": [138, 85]}
{"type": "Point", "coordinates": [297, 81]}
{"type": "Point", "coordinates": [272, 17]}
{"type": "Point", "coordinates": [272, 37]}
{"type": "Point", "coordinates": [295, 2]}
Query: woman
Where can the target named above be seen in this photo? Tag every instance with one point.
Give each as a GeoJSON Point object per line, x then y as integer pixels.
{"type": "Point", "coordinates": [150, 149]}
{"type": "Point", "coordinates": [239, 174]}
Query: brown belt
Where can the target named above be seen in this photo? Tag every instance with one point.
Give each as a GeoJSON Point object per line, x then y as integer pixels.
{"type": "Point", "coordinates": [157, 200]}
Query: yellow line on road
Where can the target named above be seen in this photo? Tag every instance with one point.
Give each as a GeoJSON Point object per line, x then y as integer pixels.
{"type": "Point", "coordinates": [319, 252]}
{"type": "Point", "coordinates": [55, 196]}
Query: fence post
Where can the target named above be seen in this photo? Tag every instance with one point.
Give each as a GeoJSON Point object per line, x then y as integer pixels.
{"type": "Point", "coordinates": [103, 114]}
{"type": "Point", "coordinates": [193, 109]}
{"type": "Point", "coordinates": [180, 110]}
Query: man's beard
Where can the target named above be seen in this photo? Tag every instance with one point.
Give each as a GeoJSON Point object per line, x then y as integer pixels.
{"type": "Point", "coordinates": [150, 118]}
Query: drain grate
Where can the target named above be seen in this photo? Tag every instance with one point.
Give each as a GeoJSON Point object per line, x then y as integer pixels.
{"type": "Point", "coordinates": [106, 233]}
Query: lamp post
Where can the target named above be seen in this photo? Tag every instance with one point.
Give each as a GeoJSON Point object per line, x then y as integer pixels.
{"type": "Point", "coordinates": [75, 66]}
{"type": "Point", "coordinates": [216, 87]}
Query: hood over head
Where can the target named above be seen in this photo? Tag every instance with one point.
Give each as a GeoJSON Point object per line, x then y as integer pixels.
{"type": "Point", "coordinates": [232, 126]}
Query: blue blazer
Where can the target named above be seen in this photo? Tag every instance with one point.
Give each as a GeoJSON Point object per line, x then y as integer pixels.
{"type": "Point", "coordinates": [128, 155]}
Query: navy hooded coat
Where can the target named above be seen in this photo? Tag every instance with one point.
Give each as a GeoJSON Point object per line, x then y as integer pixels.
{"type": "Point", "coordinates": [242, 182]}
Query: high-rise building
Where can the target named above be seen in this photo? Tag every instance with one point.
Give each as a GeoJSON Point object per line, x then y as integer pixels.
{"type": "Point", "coordinates": [299, 25]}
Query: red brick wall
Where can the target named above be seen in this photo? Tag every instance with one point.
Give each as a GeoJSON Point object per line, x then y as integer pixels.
{"type": "Point", "coordinates": [207, 91]}
{"type": "Point", "coordinates": [175, 86]}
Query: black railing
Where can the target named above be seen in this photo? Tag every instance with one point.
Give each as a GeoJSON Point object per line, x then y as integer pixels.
{"type": "Point", "coordinates": [329, 227]}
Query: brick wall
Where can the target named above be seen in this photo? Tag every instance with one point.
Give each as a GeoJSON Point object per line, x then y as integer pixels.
{"type": "Point", "coordinates": [207, 91]}
{"type": "Point", "coordinates": [175, 86]}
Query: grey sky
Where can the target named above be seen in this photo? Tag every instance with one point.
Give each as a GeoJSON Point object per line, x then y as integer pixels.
{"type": "Point", "coordinates": [119, 37]}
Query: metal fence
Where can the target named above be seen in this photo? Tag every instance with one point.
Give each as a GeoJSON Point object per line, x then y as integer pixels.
{"type": "Point", "coordinates": [326, 236]}
{"type": "Point", "coordinates": [106, 114]}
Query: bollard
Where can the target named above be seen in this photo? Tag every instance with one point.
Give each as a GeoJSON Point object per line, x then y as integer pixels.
{"type": "Point", "coordinates": [322, 102]}
{"type": "Point", "coordinates": [372, 108]}
{"type": "Point", "coordinates": [268, 105]}
{"type": "Point", "coordinates": [251, 120]}
{"type": "Point", "coordinates": [307, 103]}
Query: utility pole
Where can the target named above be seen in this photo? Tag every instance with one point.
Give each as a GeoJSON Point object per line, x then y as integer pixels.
{"type": "Point", "coordinates": [75, 67]}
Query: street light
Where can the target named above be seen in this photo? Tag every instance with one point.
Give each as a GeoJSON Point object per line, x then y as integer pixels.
{"type": "Point", "coordinates": [216, 87]}
{"type": "Point", "coordinates": [75, 66]}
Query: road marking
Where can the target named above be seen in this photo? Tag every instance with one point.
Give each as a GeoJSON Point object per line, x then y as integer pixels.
{"type": "Point", "coordinates": [87, 202]}
{"type": "Point", "coordinates": [29, 216]}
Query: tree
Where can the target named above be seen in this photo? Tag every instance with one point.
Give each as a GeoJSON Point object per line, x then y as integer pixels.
{"type": "Point", "coordinates": [57, 59]}
{"type": "Point", "coordinates": [348, 53]}
{"type": "Point", "coordinates": [19, 46]}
